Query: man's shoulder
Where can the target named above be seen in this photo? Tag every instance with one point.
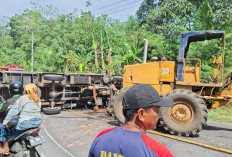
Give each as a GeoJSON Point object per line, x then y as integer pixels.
{"type": "Point", "coordinates": [12, 100]}
{"type": "Point", "coordinates": [105, 131]}
{"type": "Point", "coordinates": [155, 146]}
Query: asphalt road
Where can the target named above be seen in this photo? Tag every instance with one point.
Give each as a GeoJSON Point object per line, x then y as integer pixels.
{"type": "Point", "coordinates": [70, 134]}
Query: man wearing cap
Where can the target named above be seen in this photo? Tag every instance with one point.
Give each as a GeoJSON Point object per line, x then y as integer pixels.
{"type": "Point", "coordinates": [141, 105]}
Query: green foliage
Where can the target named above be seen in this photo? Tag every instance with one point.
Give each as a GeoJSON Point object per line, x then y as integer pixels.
{"type": "Point", "coordinates": [222, 14]}
{"type": "Point", "coordinates": [221, 114]}
{"type": "Point", "coordinates": [88, 3]}
{"type": "Point", "coordinates": [168, 19]}
{"type": "Point", "coordinates": [69, 41]}
{"type": "Point", "coordinates": [204, 17]}
{"type": "Point", "coordinates": [171, 18]}
{"type": "Point", "coordinates": [145, 8]}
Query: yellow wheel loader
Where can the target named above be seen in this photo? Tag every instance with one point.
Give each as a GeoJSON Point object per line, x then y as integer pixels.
{"type": "Point", "coordinates": [180, 81]}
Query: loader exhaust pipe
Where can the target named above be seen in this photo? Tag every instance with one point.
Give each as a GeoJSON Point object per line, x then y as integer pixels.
{"type": "Point", "coordinates": [145, 51]}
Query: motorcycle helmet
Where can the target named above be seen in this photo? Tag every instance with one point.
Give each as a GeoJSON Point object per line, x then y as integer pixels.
{"type": "Point", "coordinates": [16, 88]}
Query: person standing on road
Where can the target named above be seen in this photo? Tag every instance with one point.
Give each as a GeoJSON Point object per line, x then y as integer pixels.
{"type": "Point", "coordinates": [94, 96]}
{"type": "Point", "coordinates": [16, 90]}
{"type": "Point", "coordinates": [141, 105]}
{"type": "Point", "coordinates": [113, 89]}
{"type": "Point", "coordinates": [96, 108]}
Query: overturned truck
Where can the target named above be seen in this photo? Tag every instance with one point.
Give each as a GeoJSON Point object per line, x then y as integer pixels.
{"type": "Point", "coordinates": [57, 89]}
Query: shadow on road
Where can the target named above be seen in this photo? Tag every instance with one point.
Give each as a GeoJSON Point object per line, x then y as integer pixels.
{"type": "Point", "coordinates": [113, 123]}
{"type": "Point", "coordinates": [63, 117]}
{"type": "Point", "coordinates": [208, 127]}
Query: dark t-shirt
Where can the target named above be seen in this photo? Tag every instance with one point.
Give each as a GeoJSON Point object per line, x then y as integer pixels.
{"type": "Point", "coordinates": [5, 106]}
{"type": "Point", "coordinates": [118, 142]}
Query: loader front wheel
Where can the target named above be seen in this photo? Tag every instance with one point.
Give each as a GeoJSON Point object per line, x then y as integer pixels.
{"type": "Point", "coordinates": [187, 116]}
{"type": "Point", "coordinates": [116, 106]}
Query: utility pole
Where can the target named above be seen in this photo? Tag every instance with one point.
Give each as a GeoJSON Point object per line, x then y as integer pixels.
{"type": "Point", "coordinates": [32, 49]}
{"type": "Point", "coordinates": [145, 51]}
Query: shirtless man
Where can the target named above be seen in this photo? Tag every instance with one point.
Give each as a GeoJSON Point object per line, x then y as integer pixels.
{"type": "Point", "coordinates": [113, 89]}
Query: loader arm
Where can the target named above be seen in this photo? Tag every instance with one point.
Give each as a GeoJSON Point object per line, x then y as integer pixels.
{"type": "Point", "coordinates": [225, 94]}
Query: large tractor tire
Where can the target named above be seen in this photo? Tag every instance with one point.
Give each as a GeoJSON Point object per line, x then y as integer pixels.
{"type": "Point", "coordinates": [187, 116]}
{"type": "Point", "coordinates": [116, 106]}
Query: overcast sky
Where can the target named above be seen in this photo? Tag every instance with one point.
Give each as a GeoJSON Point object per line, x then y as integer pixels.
{"type": "Point", "coordinates": [117, 9]}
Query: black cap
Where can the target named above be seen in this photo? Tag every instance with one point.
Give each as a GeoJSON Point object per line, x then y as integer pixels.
{"type": "Point", "coordinates": [144, 95]}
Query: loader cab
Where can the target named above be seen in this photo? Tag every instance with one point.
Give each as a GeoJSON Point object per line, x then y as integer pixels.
{"type": "Point", "coordinates": [192, 73]}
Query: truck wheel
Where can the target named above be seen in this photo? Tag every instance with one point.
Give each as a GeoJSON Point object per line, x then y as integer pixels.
{"type": "Point", "coordinates": [187, 116]}
{"type": "Point", "coordinates": [53, 77]}
{"type": "Point", "coordinates": [116, 106]}
{"type": "Point", "coordinates": [51, 111]}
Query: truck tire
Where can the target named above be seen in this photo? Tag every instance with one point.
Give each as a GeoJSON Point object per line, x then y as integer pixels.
{"type": "Point", "coordinates": [116, 106]}
{"type": "Point", "coordinates": [187, 116]}
{"type": "Point", "coordinates": [51, 111]}
{"type": "Point", "coordinates": [53, 77]}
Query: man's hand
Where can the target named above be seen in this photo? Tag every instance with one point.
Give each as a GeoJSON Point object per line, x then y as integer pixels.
{"type": "Point", "coordinates": [96, 108]}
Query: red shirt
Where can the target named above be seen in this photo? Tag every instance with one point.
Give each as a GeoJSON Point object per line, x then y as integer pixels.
{"type": "Point", "coordinates": [118, 142]}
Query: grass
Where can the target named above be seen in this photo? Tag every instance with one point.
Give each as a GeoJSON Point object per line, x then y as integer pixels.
{"type": "Point", "coordinates": [221, 114]}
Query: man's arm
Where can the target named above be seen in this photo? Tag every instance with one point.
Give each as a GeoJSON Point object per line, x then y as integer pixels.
{"type": "Point", "coordinates": [94, 94]}
{"type": "Point", "coordinates": [156, 147]}
{"type": "Point", "coordinates": [114, 89]}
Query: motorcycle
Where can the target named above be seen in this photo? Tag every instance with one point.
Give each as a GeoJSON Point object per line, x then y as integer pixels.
{"type": "Point", "coordinates": [26, 144]}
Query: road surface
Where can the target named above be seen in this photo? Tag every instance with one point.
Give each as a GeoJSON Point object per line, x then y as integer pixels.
{"type": "Point", "coordinates": [70, 134]}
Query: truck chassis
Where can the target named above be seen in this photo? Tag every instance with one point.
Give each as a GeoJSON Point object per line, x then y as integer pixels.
{"type": "Point", "coordinates": [56, 89]}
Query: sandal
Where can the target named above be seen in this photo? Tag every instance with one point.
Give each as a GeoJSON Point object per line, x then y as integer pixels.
{"type": "Point", "coordinates": [4, 152]}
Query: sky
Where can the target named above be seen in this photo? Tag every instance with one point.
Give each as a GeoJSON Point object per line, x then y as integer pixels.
{"type": "Point", "coordinates": [116, 9]}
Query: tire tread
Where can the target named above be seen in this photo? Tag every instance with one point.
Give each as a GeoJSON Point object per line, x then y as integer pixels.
{"type": "Point", "coordinates": [202, 106]}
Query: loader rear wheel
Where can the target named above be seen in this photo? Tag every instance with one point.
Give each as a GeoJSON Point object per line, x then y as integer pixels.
{"type": "Point", "coordinates": [187, 116]}
{"type": "Point", "coordinates": [116, 106]}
